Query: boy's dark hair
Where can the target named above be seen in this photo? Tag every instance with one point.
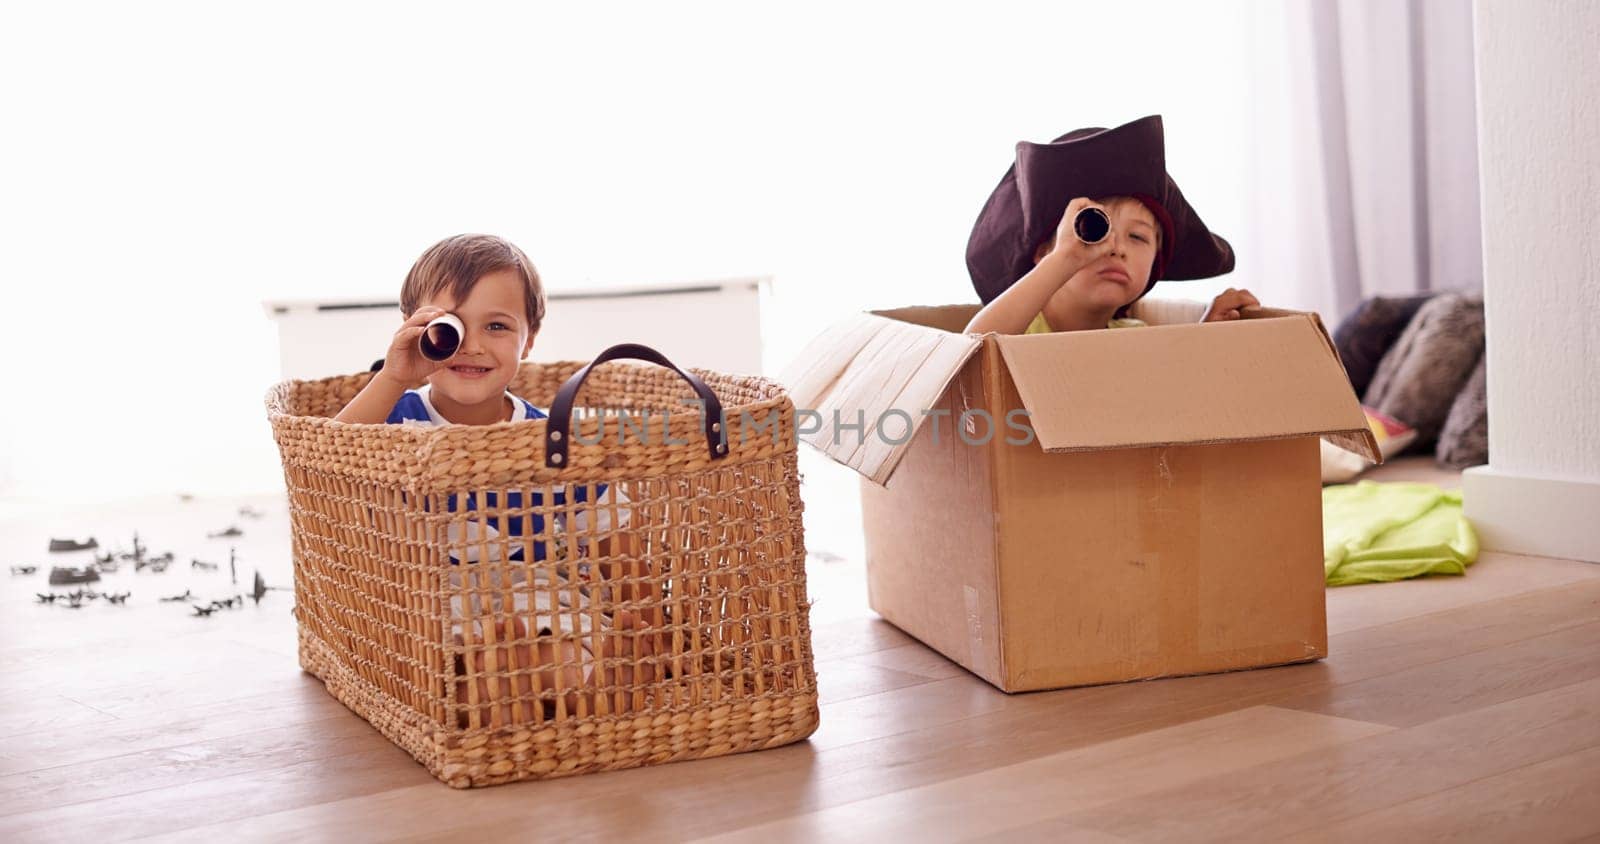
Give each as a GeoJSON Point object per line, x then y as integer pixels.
{"type": "Point", "coordinates": [456, 264]}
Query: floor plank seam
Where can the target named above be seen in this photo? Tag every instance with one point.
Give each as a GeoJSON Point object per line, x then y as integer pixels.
{"type": "Point", "coordinates": [1432, 794]}
{"type": "Point", "coordinates": [88, 705]}
{"type": "Point", "coordinates": [1533, 593]}
{"type": "Point", "coordinates": [215, 779]}
{"type": "Point", "coordinates": [299, 725]}
{"type": "Point", "coordinates": [1324, 822]}
{"type": "Point", "coordinates": [320, 760]}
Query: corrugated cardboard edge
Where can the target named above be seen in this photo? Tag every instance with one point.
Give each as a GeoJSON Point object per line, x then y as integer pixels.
{"type": "Point", "coordinates": [852, 366]}
{"type": "Point", "coordinates": [827, 370]}
{"type": "Point", "coordinates": [993, 397]}
{"type": "Point", "coordinates": [1041, 392]}
{"type": "Point", "coordinates": [1359, 442]}
{"type": "Point", "coordinates": [943, 495]}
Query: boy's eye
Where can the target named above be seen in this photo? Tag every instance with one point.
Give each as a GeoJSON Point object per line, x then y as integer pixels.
{"type": "Point", "coordinates": [1141, 238]}
{"type": "Point", "coordinates": [498, 326]}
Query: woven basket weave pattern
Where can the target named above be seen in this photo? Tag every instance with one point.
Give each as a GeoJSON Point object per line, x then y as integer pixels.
{"type": "Point", "coordinates": [475, 606]}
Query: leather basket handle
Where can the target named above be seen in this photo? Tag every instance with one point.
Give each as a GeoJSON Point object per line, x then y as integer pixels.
{"type": "Point", "coordinates": [558, 430]}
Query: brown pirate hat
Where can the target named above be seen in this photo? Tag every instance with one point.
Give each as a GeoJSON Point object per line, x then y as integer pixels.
{"type": "Point", "coordinates": [1130, 160]}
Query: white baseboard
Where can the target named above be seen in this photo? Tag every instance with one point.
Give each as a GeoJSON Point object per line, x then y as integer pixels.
{"type": "Point", "coordinates": [1527, 515]}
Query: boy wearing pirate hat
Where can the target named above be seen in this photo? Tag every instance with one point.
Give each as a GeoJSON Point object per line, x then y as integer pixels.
{"type": "Point", "coordinates": [1035, 275]}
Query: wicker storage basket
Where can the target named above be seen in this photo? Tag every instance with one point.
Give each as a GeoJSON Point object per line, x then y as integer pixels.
{"type": "Point", "coordinates": [539, 599]}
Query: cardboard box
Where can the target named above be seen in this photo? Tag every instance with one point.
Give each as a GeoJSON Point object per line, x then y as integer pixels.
{"type": "Point", "coordinates": [1164, 519]}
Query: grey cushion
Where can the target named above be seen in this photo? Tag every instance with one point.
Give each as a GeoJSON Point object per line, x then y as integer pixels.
{"type": "Point", "coordinates": [1418, 378]}
{"type": "Point", "coordinates": [1464, 440]}
{"type": "Point", "coordinates": [1370, 330]}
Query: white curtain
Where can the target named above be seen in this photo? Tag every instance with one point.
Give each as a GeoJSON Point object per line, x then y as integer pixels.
{"type": "Point", "coordinates": [171, 165]}
{"type": "Point", "coordinates": [1367, 179]}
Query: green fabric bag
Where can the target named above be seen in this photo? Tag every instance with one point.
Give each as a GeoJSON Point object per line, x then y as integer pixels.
{"type": "Point", "coordinates": [1376, 532]}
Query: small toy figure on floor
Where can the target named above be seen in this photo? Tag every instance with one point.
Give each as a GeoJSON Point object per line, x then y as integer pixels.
{"type": "Point", "coordinates": [24, 569]}
{"type": "Point", "coordinates": [173, 599]}
{"type": "Point", "coordinates": [119, 598]}
{"type": "Point", "coordinates": [57, 545]}
{"type": "Point", "coordinates": [260, 588]}
{"type": "Point", "coordinates": [230, 533]}
{"type": "Point", "coordinates": [202, 565]}
{"type": "Point", "coordinates": [61, 575]}
{"type": "Point", "coordinates": [137, 555]}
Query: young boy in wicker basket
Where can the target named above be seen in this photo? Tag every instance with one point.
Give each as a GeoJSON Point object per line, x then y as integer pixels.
{"type": "Point", "coordinates": [494, 290]}
{"type": "Point", "coordinates": [1035, 274]}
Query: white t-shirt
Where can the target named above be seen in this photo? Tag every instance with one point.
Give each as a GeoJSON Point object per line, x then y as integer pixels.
{"type": "Point", "coordinates": [415, 407]}
{"type": "Point", "coordinates": [558, 605]}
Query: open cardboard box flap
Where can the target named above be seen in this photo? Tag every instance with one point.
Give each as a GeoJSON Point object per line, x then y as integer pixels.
{"type": "Point", "coordinates": [870, 368]}
{"type": "Point", "coordinates": [1271, 377]}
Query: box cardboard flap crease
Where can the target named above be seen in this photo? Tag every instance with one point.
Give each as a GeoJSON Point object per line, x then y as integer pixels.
{"type": "Point", "coordinates": [1089, 507]}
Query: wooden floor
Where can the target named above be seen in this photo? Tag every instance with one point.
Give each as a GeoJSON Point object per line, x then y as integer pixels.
{"type": "Point", "coordinates": [1461, 708]}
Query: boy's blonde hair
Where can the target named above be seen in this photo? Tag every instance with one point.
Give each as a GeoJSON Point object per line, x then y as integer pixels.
{"type": "Point", "coordinates": [456, 264]}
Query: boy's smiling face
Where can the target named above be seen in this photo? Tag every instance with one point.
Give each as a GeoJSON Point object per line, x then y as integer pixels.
{"type": "Point", "coordinates": [471, 387]}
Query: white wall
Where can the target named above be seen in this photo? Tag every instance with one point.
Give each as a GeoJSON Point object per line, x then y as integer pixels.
{"type": "Point", "coordinates": [175, 163]}
{"type": "Point", "coordinates": [1539, 109]}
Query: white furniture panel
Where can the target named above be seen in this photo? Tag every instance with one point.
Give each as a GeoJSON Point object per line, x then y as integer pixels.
{"type": "Point", "coordinates": [708, 324]}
